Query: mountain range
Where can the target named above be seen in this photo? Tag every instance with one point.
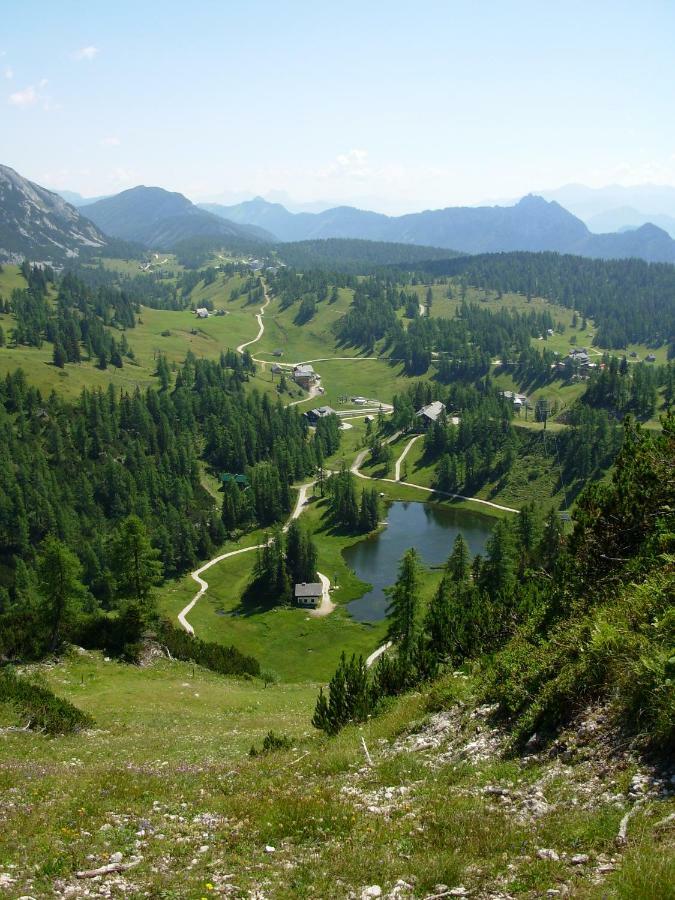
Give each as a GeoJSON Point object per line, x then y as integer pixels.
{"type": "Point", "coordinates": [39, 224]}
{"type": "Point", "coordinates": [157, 218]}
{"type": "Point", "coordinates": [617, 207]}
{"type": "Point", "coordinates": [532, 224]}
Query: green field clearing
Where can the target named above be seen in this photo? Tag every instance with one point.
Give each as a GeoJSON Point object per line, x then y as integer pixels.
{"type": "Point", "coordinates": [312, 340]}
{"type": "Point", "coordinates": [269, 632]}
{"type": "Point", "coordinates": [167, 332]}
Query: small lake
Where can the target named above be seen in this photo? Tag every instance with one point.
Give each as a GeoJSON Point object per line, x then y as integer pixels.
{"type": "Point", "coordinates": [430, 529]}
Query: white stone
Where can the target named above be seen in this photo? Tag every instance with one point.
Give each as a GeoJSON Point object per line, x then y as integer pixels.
{"type": "Point", "coordinates": [270, 849]}
{"type": "Point", "coordinates": [546, 853]}
{"type": "Point", "coordinates": [579, 859]}
{"type": "Point", "coordinates": [373, 890]}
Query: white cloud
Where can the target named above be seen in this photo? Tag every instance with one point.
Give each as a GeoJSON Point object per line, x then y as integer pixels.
{"type": "Point", "coordinates": [353, 164]}
{"type": "Point", "coordinates": [8, 72]}
{"type": "Point", "coordinates": [26, 97]}
{"type": "Point", "coordinates": [111, 141]}
{"type": "Point", "coordinates": [121, 176]}
{"type": "Point", "coordinates": [88, 53]}
{"type": "Point", "coordinates": [32, 95]}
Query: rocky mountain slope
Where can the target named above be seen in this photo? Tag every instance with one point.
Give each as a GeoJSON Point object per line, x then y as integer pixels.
{"type": "Point", "coordinates": [39, 224]}
{"type": "Point", "coordinates": [157, 218]}
{"type": "Point", "coordinates": [533, 224]}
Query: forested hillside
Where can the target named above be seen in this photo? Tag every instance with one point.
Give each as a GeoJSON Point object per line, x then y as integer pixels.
{"type": "Point", "coordinates": [78, 471]}
{"type": "Point", "coordinates": [631, 301]}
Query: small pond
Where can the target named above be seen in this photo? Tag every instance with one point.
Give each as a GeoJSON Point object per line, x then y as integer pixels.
{"type": "Point", "coordinates": [430, 529]}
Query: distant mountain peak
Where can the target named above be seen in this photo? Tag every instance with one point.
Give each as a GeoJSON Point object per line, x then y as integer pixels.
{"type": "Point", "coordinates": [158, 218]}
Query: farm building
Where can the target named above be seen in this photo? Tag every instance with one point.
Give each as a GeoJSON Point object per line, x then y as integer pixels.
{"type": "Point", "coordinates": [305, 376]}
{"type": "Point", "coordinates": [309, 594]}
{"type": "Point", "coordinates": [430, 413]}
{"type": "Point", "coordinates": [276, 369]}
{"type": "Point", "coordinates": [277, 352]}
{"type": "Point", "coordinates": [320, 412]}
{"type": "Point", "coordinates": [202, 312]}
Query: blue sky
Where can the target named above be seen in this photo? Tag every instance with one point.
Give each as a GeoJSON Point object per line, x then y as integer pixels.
{"type": "Point", "coordinates": [394, 105]}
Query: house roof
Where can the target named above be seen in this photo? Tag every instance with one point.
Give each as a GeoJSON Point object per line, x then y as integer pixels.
{"type": "Point", "coordinates": [320, 412]}
{"type": "Point", "coordinates": [309, 589]}
{"type": "Point", "coordinates": [512, 395]}
{"type": "Point", "coordinates": [238, 479]}
{"type": "Point", "coordinates": [431, 410]}
{"type": "Point", "coordinates": [303, 370]}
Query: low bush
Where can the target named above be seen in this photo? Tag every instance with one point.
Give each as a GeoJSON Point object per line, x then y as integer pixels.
{"type": "Point", "coordinates": [218, 658]}
{"type": "Point", "coordinates": [271, 743]}
{"type": "Point", "coordinates": [44, 710]}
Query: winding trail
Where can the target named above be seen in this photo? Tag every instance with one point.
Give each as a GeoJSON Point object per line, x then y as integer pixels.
{"type": "Point", "coordinates": [397, 470]}
{"type": "Point", "coordinates": [376, 654]}
{"type": "Point", "coordinates": [358, 462]}
{"type": "Point", "coordinates": [327, 605]}
{"type": "Point", "coordinates": [261, 325]}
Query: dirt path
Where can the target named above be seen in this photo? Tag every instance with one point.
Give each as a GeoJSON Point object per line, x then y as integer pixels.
{"type": "Point", "coordinates": [313, 392]}
{"type": "Point", "coordinates": [397, 471]}
{"type": "Point", "coordinates": [377, 654]}
{"type": "Point", "coordinates": [356, 470]}
{"type": "Point", "coordinates": [327, 606]}
{"type": "Point", "coordinates": [261, 325]}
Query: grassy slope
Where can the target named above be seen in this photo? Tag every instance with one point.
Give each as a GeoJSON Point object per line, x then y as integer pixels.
{"type": "Point", "coordinates": [165, 778]}
{"type": "Point", "coordinates": [213, 335]}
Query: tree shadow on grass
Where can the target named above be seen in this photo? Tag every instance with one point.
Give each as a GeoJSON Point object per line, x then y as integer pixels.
{"type": "Point", "coordinates": [256, 600]}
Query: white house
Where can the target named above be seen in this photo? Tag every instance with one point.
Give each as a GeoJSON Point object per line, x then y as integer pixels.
{"type": "Point", "coordinates": [309, 594]}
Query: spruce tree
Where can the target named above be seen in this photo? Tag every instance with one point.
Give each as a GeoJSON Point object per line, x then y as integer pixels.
{"type": "Point", "coordinates": [459, 561]}
{"type": "Point", "coordinates": [403, 607]}
{"type": "Point", "coordinates": [61, 588]}
{"type": "Point", "coordinates": [134, 561]}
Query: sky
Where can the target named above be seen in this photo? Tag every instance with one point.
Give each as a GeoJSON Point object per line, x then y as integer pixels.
{"type": "Point", "coordinates": [395, 106]}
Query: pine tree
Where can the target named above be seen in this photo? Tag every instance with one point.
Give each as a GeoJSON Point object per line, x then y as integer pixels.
{"type": "Point", "coordinates": [59, 356]}
{"type": "Point", "coordinates": [301, 553]}
{"type": "Point", "coordinates": [403, 607]}
{"type": "Point", "coordinates": [135, 562]}
{"type": "Point", "coordinates": [61, 588]}
{"type": "Point", "coordinates": [459, 561]}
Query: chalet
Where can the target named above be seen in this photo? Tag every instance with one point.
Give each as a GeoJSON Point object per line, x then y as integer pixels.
{"type": "Point", "coordinates": [305, 376]}
{"type": "Point", "coordinates": [650, 357]}
{"type": "Point", "coordinates": [360, 401]}
{"type": "Point", "coordinates": [579, 357]}
{"type": "Point", "coordinates": [320, 412]}
{"type": "Point", "coordinates": [202, 312]}
{"type": "Point", "coordinates": [309, 594]}
{"type": "Point", "coordinates": [240, 480]}
{"type": "Point", "coordinates": [519, 401]}
{"type": "Point", "coordinates": [278, 352]}
{"type": "Point", "coordinates": [276, 369]}
{"type": "Point", "coordinates": [430, 413]}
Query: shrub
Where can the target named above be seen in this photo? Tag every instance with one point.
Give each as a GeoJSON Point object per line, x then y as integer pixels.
{"type": "Point", "coordinates": [271, 743]}
{"type": "Point", "coordinates": [217, 657]}
{"type": "Point", "coordinates": [45, 711]}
